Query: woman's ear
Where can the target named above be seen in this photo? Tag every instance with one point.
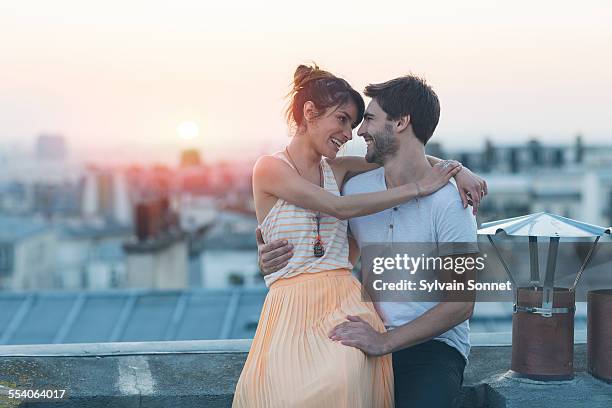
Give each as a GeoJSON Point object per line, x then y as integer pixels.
{"type": "Point", "coordinates": [402, 123]}
{"type": "Point", "coordinates": [310, 111]}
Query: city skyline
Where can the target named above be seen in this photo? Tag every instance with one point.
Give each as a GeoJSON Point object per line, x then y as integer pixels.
{"type": "Point", "coordinates": [118, 79]}
{"type": "Point", "coordinates": [37, 152]}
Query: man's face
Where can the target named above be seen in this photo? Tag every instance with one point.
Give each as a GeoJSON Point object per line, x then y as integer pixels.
{"type": "Point", "coordinates": [378, 134]}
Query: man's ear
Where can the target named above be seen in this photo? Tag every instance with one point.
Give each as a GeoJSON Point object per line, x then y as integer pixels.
{"type": "Point", "coordinates": [402, 123]}
{"type": "Point", "coordinates": [310, 111]}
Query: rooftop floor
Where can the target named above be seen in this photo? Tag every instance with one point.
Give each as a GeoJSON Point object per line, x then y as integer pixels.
{"type": "Point", "coordinates": [204, 373]}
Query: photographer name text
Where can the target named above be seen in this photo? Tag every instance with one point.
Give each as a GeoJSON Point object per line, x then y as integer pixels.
{"type": "Point", "coordinates": [435, 286]}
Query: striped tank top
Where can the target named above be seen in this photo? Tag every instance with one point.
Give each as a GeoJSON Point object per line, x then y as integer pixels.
{"type": "Point", "coordinates": [298, 226]}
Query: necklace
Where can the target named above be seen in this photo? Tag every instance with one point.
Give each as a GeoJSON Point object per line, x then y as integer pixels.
{"type": "Point", "coordinates": [318, 248]}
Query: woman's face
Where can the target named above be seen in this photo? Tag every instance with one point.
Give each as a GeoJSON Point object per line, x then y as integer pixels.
{"type": "Point", "coordinates": [333, 128]}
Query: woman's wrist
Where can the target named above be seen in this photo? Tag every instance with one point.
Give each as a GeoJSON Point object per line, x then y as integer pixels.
{"type": "Point", "coordinates": [411, 191]}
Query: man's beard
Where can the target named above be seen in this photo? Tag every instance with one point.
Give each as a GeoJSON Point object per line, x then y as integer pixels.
{"type": "Point", "coordinates": [384, 145]}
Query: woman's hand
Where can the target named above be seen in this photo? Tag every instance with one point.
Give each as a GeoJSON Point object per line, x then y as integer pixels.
{"type": "Point", "coordinates": [471, 188]}
{"type": "Point", "coordinates": [438, 177]}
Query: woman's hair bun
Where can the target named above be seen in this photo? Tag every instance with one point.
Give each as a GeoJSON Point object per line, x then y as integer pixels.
{"type": "Point", "coordinates": [302, 74]}
{"type": "Point", "coordinates": [306, 73]}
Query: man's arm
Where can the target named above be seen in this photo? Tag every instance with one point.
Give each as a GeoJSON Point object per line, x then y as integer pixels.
{"type": "Point", "coordinates": [439, 319]}
{"type": "Point", "coordinates": [457, 226]}
{"type": "Point", "coordinates": [273, 256]}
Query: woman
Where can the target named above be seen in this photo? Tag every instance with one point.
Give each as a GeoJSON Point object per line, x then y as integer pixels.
{"type": "Point", "coordinates": [292, 362]}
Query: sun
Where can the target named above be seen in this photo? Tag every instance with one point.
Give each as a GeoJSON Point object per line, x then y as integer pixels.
{"type": "Point", "coordinates": [188, 130]}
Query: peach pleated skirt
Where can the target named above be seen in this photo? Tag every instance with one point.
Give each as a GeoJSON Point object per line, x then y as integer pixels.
{"type": "Point", "coordinates": [293, 362]}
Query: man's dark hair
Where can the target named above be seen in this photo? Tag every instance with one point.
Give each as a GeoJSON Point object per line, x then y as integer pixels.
{"type": "Point", "coordinates": [408, 95]}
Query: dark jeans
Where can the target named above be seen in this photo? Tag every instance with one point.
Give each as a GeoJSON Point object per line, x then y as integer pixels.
{"type": "Point", "coordinates": [428, 375]}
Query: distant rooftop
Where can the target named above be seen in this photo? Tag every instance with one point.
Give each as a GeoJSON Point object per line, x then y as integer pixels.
{"type": "Point", "coordinates": [15, 228]}
{"type": "Point", "coordinates": [45, 317]}
{"type": "Point", "coordinates": [128, 315]}
{"type": "Point", "coordinates": [232, 230]}
{"type": "Point", "coordinates": [93, 230]}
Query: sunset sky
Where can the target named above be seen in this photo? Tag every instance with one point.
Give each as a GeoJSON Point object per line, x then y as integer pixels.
{"type": "Point", "coordinates": [120, 78]}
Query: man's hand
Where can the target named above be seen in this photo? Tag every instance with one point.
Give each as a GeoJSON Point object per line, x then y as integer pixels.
{"type": "Point", "coordinates": [471, 188]}
{"type": "Point", "coordinates": [274, 256]}
{"type": "Point", "coordinates": [359, 334]}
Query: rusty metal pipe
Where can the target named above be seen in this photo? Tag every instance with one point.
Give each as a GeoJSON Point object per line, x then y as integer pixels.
{"type": "Point", "coordinates": [543, 347]}
{"type": "Point", "coordinates": [599, 334]}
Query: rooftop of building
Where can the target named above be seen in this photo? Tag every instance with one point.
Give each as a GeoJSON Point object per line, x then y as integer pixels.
{"type": "Point", "coordinates": [128, 315]}
{"type": "Point", "coordinates": [187, 348]}
{"type": "Point", "coordinates": [15, 228]}
{"type": "Point", "coordinates": [205, 373]}
{"type": "Point", "coordinates": [139, 315]}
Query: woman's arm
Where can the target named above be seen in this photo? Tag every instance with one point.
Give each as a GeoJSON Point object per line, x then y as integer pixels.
{"type": "Point", "coordinates": [471, 187]}
{"type": "Point", "coordinates": [274, 177]}
{"type": "Point", "coordinates": [346, 167]}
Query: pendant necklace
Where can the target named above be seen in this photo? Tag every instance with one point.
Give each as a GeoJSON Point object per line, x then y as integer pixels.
{"type": "Point", "coordinates": [318, 248]}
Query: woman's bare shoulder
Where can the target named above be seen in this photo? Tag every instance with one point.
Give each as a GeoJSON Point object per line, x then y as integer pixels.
{"type": "Point", "coordinates": [268, 162]}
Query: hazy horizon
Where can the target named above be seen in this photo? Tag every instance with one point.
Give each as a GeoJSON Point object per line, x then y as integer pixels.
{"type": "Point", "coordinates": [117, 79]}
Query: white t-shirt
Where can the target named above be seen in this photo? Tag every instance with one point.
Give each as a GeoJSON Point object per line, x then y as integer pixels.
{"type": "Point", "coordinates": [439, 217]}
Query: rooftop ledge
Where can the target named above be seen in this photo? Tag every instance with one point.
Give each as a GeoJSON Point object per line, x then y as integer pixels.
{"type": "Point", "coordinates": [204, 373]}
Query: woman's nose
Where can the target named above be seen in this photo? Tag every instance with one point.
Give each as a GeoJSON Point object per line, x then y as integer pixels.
{"type": "Point", "coordinates": [348, 132]}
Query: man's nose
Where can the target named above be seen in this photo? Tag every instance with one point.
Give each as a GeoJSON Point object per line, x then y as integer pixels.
{"type": "Point", "coordinates": [361, 130]}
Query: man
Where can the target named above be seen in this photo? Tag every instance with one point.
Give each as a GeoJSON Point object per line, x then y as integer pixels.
{"type": "Point", "coordinates": [429, 340]}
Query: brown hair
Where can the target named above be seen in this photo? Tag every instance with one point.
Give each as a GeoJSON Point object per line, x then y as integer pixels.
{"type": "Point", "coordinates": [325, 90]}
{"type": "Point", "coordinates": [408, 95]}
